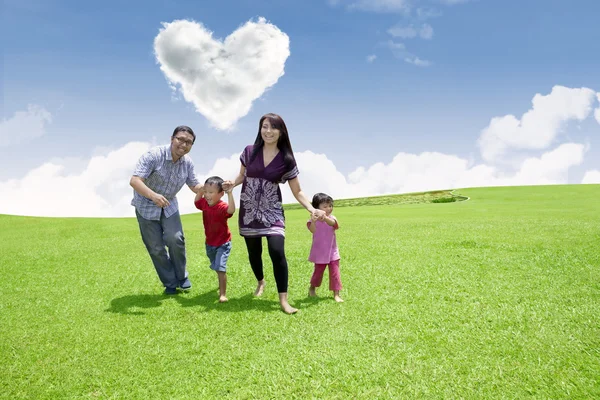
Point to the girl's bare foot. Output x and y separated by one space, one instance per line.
260 288
336 297
223 299
285 306
312 292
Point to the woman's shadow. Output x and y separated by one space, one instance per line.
208 301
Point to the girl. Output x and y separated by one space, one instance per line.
324 250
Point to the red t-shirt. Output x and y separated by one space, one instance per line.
215 222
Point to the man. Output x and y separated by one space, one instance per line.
158 176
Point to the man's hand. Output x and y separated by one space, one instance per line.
160 200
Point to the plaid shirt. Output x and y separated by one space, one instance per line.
163 176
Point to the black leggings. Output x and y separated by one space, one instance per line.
276 246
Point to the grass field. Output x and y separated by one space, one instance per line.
494 297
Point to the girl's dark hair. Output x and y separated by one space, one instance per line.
183 128
321 198
283 144
216 181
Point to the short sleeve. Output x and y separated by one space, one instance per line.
146 164
336 226
201 204
291 171
245 156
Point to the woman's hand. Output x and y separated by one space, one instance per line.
318 214
227 186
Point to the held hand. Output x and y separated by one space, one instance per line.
313 218
160 201
227 186
319 214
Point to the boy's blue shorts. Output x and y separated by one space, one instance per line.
218 256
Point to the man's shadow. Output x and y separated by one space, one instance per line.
208 301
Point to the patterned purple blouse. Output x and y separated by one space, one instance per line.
261 211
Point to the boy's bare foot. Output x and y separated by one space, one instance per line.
312 291
223 299
260 288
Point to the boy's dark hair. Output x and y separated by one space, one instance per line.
215 180
321 198
183 128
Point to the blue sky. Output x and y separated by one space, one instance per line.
365 83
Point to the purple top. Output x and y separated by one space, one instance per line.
261 211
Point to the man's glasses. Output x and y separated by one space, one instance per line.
184 141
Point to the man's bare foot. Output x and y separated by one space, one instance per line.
260 288
223 299
312 291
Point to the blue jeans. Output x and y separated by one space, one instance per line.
158 236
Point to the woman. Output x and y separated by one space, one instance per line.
266 164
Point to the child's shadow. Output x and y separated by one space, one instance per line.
310 301
209 301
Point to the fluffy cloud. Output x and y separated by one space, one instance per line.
401 6
100 190
24 126
222 78
371 58
410 31
592 176
597 111
394 6
414 60
538 127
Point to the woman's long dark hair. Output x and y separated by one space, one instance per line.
283 143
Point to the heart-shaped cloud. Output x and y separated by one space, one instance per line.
222 78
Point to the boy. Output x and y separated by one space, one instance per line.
215 213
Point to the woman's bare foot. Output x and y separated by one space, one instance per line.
223 299
285 306
336 297
260 288
312 291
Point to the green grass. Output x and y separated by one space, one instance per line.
495 297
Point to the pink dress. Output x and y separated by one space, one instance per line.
324 246
324 252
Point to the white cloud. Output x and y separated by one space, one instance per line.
222 78
424 13
539 127
371 58
24 126
417 61
597 111
426 31
404 32
382 6
452 2
410 31
102 188
591 176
